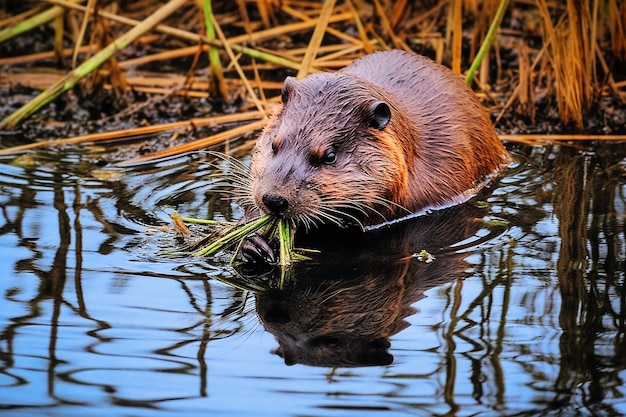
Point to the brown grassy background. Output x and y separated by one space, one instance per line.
555 66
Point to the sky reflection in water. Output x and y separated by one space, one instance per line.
522 312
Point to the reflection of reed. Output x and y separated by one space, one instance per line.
53 217
52 282
208 327
57 277
477 317
592 315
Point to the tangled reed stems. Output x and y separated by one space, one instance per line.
566 53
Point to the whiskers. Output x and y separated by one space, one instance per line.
357 211
231 177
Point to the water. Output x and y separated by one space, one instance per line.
520 314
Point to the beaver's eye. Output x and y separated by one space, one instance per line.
329 158
275 146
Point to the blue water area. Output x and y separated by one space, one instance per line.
516 307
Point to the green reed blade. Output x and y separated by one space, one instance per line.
234 235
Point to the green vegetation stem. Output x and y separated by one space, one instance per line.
491 35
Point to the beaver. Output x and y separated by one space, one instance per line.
389 135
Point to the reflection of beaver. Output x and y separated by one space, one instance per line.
387 136
341 310
343 317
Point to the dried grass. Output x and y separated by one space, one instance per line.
571 55
255 38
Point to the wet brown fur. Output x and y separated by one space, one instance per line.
438 147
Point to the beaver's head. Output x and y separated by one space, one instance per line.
331 154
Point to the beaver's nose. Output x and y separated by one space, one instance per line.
275 203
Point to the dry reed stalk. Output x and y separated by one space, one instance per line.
37 81
243 13
57 43
571 54
90 8
367 44
166 91
456 33
316 38
170 83
168 30
258 83
265 18
614 87
286 29
335 64
261 86
428 19
330 30
109 70
516 91
162 56
18 18
242 76
483 72
526 85
334 59
203 143
323 51
399 10
139 131
41 56
382 15
161 85
265 11
425 24
191 75
617 24
541 139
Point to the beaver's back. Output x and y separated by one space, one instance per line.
447 117
417 82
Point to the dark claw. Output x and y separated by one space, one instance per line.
255 249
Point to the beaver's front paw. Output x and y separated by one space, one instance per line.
256 250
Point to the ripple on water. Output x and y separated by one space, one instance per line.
523 315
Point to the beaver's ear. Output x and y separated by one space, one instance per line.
380 114
288 86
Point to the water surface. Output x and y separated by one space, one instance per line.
521 312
